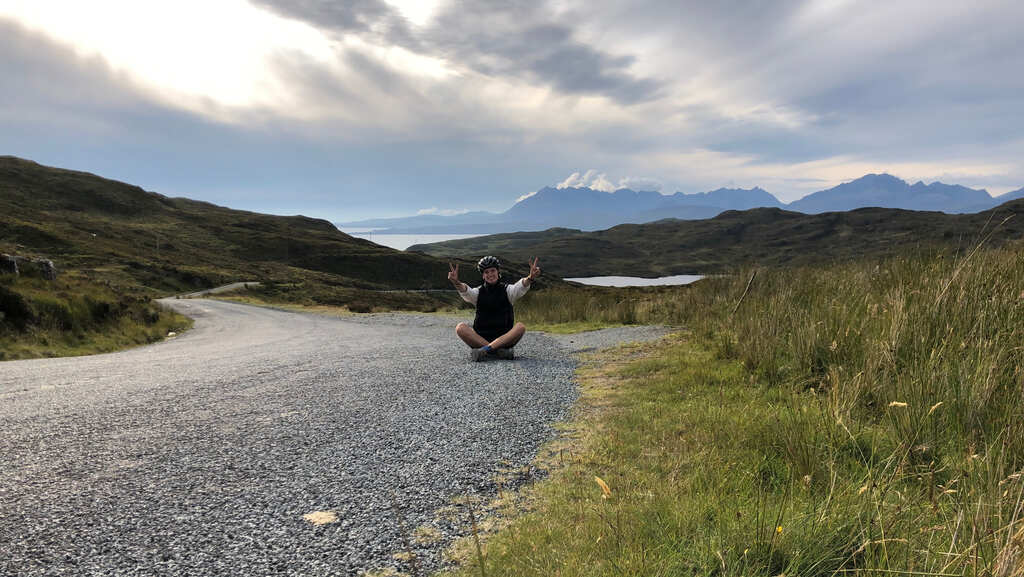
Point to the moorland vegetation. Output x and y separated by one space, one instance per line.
865 417
857 406
116 247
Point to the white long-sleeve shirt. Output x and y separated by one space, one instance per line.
514 292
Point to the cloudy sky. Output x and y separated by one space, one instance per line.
372 108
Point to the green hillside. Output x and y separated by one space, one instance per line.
734 239
117 246
82 221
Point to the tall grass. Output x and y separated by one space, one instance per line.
625 306
77 316
917 365
863 417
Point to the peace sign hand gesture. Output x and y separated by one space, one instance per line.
534 269
453 274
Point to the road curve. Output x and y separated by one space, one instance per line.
222 289
201 455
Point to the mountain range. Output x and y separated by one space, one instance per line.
588 209
736 239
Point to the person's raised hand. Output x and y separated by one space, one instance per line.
534 269
453 273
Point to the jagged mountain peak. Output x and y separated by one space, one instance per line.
887 191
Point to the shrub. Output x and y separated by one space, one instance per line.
15 310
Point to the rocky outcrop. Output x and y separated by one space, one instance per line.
18 265
46 268
8 264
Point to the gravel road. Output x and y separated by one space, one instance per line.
202 454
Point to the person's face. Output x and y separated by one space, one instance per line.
490 275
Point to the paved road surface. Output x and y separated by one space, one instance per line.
200 455
222 289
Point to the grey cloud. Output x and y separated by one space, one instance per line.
350 15
372 100
523 39
368 18
880 80
574 68
956 62
518 39
916 78
39 78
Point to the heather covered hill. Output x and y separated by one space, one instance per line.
82 221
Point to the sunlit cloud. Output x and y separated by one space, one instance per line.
417 12
595 180
190 49
219 59
590 179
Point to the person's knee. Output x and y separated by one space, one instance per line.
461 328
520 327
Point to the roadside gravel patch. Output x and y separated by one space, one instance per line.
591 341
202 455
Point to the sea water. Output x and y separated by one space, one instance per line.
624 281
404 241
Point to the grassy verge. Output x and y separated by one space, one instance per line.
344 301
862 418
600 307
572 327
311 295
75 316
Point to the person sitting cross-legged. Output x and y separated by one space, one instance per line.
494 331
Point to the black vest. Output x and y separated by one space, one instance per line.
494 315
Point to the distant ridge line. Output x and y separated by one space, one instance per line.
588 209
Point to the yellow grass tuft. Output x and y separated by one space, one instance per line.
404 556
1010 562
426 534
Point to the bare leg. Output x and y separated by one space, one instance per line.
469 336
509 339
